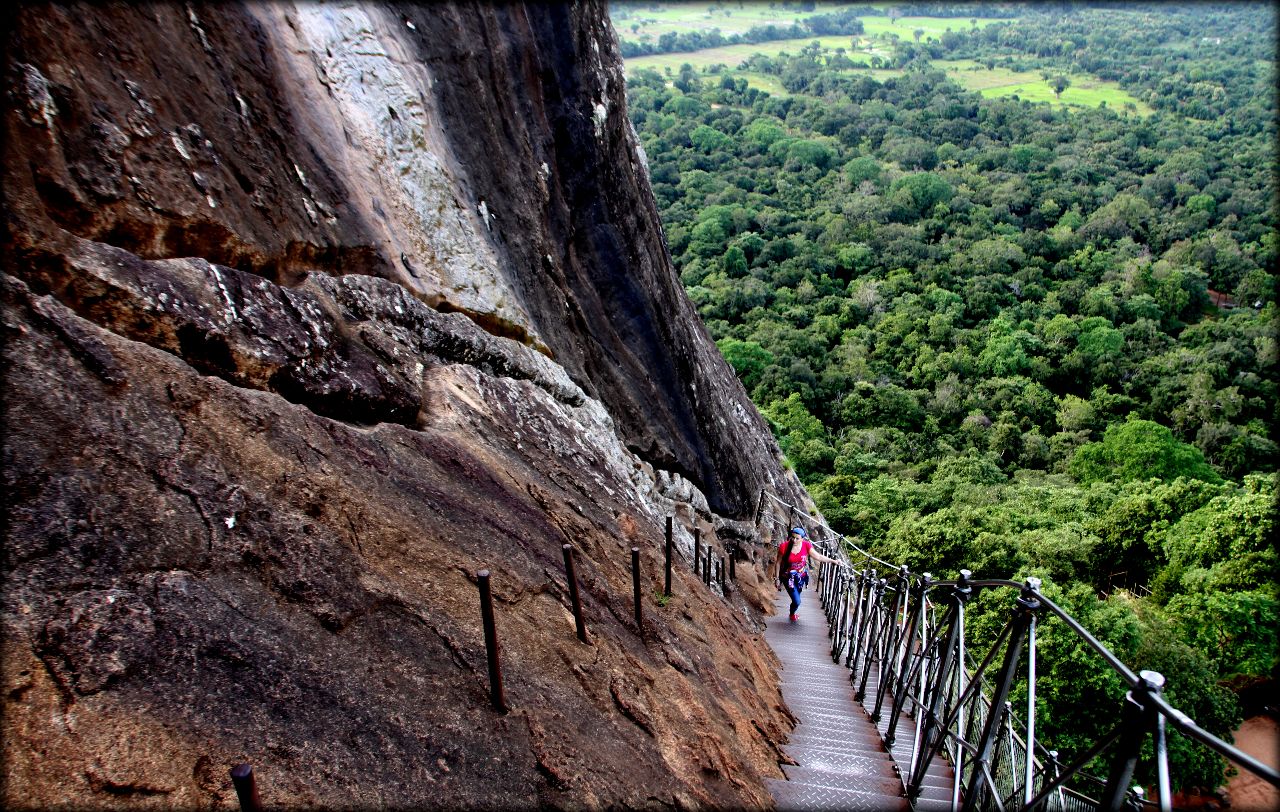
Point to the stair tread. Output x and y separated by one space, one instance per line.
791 795
840 758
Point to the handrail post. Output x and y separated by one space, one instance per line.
864 620
1137 716
1164 781
246 788
1030 741
666 584
1027 604
890 676
873 640
904 680
497 696
635 588
574 598
960 594
859 618
842 615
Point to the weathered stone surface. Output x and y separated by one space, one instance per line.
310 312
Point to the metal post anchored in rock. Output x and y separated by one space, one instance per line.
496 695
246 788
572 577
635 586
733 555
697 550
666 589
706 568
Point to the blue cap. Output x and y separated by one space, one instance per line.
800 532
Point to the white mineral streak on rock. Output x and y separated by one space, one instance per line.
600 115
40 106
180 147
399 154
195 26
638 148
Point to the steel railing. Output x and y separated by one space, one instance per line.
903 638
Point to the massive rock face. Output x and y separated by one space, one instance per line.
310 312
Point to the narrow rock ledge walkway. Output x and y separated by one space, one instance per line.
840 760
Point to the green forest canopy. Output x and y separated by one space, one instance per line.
1014 337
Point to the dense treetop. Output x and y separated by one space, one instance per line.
1014 337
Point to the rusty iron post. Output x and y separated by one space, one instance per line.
574 598
496 695
720 573
733 555
635 587
667 581
706 567
246 787
697 549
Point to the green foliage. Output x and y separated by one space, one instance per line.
748 359
982 328
708 139
917 194
1139 450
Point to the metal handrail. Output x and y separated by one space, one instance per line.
916 644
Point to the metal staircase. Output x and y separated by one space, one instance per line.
840 762
895 710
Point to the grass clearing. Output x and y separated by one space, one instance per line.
933 27
737 18
764 81
730 18
733 55
998 81
1084 90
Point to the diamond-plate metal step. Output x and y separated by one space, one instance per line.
831 779
789 795
840 760
851 762
840 738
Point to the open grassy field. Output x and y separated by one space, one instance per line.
933 27
737 18
730 18
732 55
1084 91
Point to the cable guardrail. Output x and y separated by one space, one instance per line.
904 636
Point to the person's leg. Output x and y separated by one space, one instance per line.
793 589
